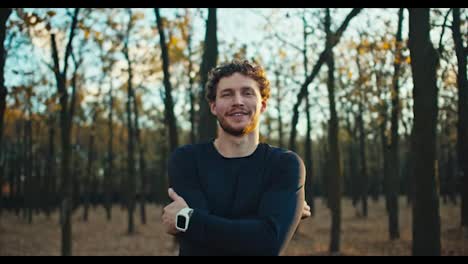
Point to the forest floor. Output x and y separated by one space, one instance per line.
359 236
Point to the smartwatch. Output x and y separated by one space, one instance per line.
183 219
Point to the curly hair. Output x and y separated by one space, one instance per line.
249 69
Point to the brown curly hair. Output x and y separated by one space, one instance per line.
243 67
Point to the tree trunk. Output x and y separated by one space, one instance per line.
131 152
335 168
90 168
207 125
462 142
278 109
50 168
322 58
394 168
363 161
65 125
424 62
191 92
108 182
4 14
142 164
352 162
27 163
309 164
168 100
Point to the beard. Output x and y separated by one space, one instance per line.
238 132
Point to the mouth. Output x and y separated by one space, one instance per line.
238 114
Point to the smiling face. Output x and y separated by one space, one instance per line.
238 104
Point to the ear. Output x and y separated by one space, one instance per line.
264 105
213 107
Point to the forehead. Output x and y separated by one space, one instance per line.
237 81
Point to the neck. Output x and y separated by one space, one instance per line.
230 146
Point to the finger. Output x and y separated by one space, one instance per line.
174 196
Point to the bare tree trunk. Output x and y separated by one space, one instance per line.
110 158
142 163
309 164
4 14
424 62
322 59
191 92
90 168
131 185
50 168
335 170
27 163
352 160
65 124
394 168
278 109
462 142
168 100
207 125
363 161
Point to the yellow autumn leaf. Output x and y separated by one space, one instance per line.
386 46
173 41
408 60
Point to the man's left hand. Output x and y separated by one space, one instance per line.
305 211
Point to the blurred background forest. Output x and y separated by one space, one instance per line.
93 101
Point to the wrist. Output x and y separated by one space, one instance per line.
182 220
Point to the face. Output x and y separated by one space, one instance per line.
238 104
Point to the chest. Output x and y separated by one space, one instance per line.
233 188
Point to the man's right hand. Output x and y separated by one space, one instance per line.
170 212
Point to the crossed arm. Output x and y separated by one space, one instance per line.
178 203
281 208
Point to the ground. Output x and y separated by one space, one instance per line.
359 236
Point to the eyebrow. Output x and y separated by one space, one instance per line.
232 89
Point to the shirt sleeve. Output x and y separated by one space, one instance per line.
183 177
271 230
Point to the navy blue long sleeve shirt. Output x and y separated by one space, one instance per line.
242 206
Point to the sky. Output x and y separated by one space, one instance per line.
248 26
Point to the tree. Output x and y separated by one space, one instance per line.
207 125
462 141
322 59
131 170
66 115
4 14
362 176
334 195
394 163
168 100
424 61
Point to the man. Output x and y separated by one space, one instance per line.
234 195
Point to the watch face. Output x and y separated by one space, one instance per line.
181 221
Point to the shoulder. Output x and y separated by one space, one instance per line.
287 167
284 156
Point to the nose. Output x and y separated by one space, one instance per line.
237 100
